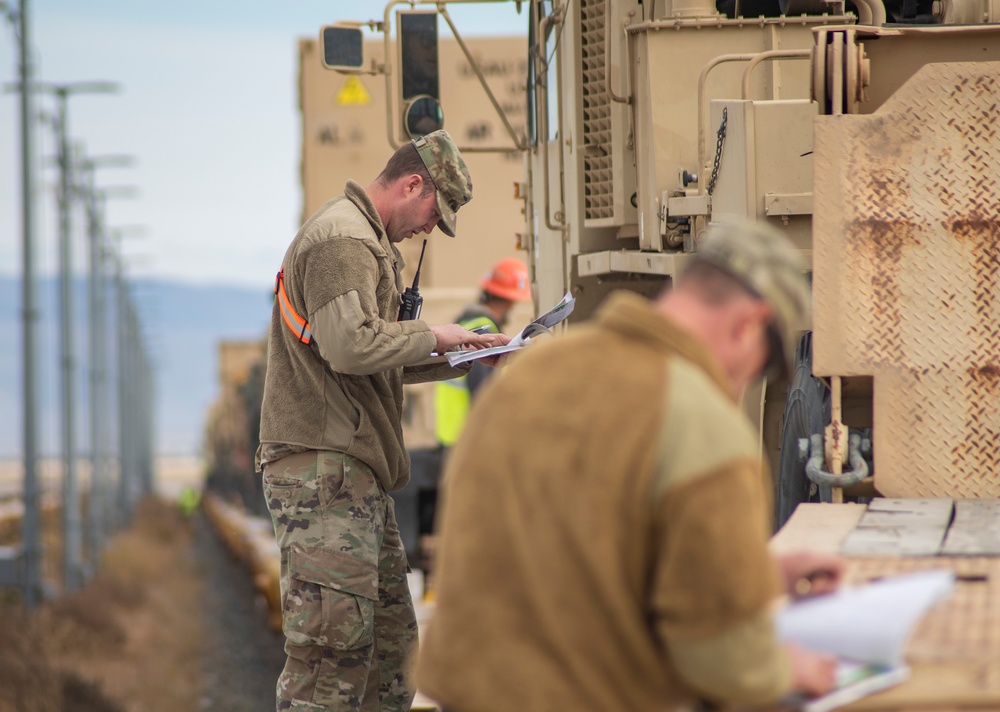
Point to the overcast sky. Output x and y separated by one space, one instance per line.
208 110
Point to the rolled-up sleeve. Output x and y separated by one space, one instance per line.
715 585
352 341
743 664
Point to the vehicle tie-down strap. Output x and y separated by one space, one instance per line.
298 325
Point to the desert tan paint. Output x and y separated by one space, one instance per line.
344 137
906 285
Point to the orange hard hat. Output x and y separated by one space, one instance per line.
508 279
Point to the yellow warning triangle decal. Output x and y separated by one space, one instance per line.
353 93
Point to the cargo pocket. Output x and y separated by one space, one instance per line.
284 497
331 599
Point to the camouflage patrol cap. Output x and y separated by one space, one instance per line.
769 266
449 173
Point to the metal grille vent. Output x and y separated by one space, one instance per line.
597 174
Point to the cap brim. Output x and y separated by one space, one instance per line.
448 217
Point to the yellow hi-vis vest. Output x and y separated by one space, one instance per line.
452 398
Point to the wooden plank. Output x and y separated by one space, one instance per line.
892 541
937 508
900 527
817 527
976 529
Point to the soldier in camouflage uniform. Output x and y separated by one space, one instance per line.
331 438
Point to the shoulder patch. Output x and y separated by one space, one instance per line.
702 429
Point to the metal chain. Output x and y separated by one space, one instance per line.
721 134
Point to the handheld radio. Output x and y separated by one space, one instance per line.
412 301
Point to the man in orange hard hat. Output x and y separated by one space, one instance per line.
502 287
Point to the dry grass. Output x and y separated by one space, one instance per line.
28 681
128 642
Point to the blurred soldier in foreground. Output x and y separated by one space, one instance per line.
603 540
330 432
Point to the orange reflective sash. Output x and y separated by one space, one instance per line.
298 325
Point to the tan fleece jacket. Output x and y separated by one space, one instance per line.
603 533
344 392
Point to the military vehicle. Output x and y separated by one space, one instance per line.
866 130
649 120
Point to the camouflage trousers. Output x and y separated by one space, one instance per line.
349 624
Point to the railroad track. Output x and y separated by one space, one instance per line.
250 539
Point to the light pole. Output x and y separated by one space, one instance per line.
143 408
71 503
98 400
105 386
128 375
95 323
25 568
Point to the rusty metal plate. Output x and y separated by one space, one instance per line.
906 240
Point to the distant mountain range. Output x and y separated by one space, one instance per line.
183 324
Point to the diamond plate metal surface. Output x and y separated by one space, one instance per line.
906 242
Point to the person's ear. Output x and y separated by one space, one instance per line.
739 320
765 313
413 183
750 322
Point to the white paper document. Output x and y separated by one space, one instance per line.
541 325
867 624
